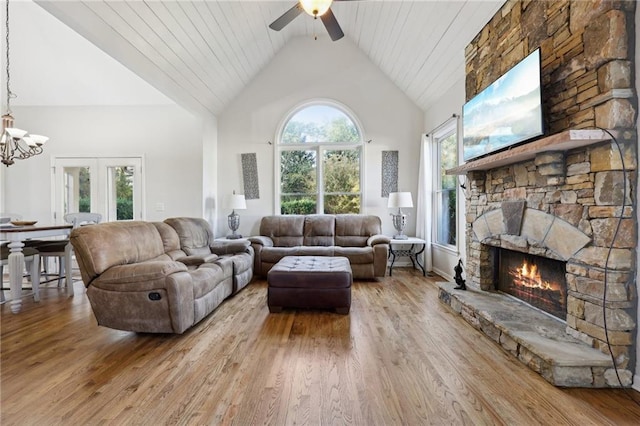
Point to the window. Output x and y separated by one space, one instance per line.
446 148
109 186
320 156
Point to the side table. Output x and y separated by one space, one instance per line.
417 246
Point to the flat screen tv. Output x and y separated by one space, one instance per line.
506 113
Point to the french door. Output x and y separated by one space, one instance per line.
111 186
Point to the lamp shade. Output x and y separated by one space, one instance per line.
16 133
39 139
400 200
236 202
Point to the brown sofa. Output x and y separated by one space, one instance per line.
354 236
158 277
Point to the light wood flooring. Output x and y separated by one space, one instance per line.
399 358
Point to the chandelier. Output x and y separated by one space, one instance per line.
16 144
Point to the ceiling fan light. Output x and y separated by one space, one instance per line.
316 7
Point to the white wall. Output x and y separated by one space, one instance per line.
303 70
443 109
169 138
210 207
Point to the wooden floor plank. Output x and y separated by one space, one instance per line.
399 357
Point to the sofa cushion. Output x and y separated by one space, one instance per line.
170 240
356 255
319 230
353 230
285 231
104 245
274 254
205 279
194 233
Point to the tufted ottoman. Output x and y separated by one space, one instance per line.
318 282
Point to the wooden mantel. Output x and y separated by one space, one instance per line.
564 141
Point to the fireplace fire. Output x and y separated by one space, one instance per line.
536 280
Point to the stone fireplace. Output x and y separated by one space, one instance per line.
569 197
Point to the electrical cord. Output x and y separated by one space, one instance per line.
606 265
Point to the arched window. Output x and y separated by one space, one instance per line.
320 161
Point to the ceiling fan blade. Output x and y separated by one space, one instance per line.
331 24
287 17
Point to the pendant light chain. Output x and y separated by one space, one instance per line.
9 94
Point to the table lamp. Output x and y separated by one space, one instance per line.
235 202
400 200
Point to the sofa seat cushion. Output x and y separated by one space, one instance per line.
356 255
205 279
274 254
241 261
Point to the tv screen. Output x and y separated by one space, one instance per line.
506 113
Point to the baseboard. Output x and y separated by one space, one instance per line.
636 382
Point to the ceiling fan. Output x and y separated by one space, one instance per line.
315 8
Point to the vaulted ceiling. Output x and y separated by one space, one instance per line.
203 53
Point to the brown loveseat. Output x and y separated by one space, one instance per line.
354 236
158 277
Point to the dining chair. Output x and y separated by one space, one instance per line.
55 248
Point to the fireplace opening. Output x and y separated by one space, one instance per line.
537 280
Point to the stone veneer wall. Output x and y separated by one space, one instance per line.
587 52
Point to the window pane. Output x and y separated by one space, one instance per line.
341 181
298 172
447 189
341 204
123 191
320 123
448 160
298 204
77 187
342 171
447 218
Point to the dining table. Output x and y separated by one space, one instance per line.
16 236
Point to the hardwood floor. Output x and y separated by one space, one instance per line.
399 357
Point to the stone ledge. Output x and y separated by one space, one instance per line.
536 339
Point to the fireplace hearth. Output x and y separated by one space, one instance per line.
537 280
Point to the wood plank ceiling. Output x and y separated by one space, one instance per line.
203 53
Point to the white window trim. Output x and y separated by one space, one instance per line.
318 147
444 130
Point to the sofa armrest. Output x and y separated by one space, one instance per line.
230 247
378 239
196 259
261 240
258 243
